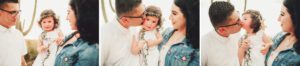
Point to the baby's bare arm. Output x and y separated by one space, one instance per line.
267 44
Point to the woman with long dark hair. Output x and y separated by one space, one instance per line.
180 46
286 48
81 48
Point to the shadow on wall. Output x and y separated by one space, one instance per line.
31 51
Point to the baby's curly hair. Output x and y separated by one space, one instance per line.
156 12
49 13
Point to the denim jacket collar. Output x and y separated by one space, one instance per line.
168 36
75 43
278 39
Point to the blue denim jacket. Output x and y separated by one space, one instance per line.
178 51
79 53
287 57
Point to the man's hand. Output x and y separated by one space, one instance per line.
23 61
245 45
42 48
141 44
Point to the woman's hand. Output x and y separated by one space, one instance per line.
59 41
60 38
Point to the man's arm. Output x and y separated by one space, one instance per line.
23 61
243 47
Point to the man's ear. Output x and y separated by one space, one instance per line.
221 30
123 20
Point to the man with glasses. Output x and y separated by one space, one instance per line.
220 47
116 38
12 42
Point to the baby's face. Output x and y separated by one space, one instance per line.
47 24
246 21
151 23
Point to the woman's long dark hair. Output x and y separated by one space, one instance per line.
294 10
190 10
87 16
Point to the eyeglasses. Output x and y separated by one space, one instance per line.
141 16
237 23
230 25
11 12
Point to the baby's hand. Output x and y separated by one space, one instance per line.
264 50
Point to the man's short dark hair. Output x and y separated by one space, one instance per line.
219 12
125 6
2 2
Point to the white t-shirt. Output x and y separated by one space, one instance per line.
13 47
116 42
219 51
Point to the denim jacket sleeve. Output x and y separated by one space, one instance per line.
195 58
276 40
166 35
88 55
